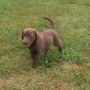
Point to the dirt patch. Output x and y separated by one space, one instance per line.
37 81
69 66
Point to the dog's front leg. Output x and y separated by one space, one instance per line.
36 60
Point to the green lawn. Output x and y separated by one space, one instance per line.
69 71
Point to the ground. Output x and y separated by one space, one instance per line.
67 71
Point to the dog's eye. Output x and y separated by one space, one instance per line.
28 35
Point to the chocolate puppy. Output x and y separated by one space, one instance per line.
38 42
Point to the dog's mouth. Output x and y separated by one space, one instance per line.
27 45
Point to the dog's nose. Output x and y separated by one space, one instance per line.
24 42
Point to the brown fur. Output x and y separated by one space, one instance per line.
38 42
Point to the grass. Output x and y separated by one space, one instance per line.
67 71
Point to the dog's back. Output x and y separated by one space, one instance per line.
50 36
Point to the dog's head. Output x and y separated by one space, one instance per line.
29 36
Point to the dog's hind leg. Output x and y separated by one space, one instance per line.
57 43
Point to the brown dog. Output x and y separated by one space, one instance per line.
38 42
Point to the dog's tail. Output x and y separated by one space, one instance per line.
52 23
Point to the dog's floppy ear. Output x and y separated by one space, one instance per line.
37 35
